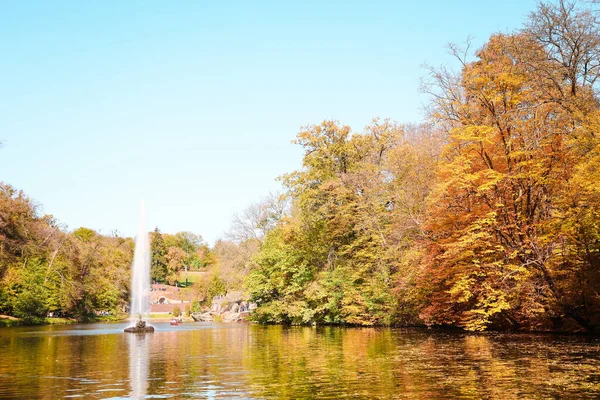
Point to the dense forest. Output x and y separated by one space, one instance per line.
485 216
44 269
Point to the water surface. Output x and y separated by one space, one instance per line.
211 360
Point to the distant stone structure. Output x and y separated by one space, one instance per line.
165 298
228 308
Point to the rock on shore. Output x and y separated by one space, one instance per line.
228 308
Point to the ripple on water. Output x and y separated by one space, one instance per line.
274 362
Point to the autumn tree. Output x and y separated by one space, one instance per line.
186 250
521 124
204 257
176 260
47 269
234 261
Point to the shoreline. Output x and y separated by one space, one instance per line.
7 321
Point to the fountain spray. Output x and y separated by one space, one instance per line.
140 275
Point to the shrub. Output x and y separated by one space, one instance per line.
196 306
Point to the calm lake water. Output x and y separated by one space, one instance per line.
211 360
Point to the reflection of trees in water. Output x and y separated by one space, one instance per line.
300 362
40 362
201 361
388 363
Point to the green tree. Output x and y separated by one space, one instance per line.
43 268
158 252
357 207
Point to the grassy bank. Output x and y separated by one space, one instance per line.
58 321
7 320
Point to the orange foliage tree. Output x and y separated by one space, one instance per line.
511 221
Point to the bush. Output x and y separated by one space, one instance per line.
176 312
29 306
196 306
216 287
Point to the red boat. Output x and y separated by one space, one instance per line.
175 321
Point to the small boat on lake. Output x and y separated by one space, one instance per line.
176 321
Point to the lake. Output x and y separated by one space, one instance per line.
213 361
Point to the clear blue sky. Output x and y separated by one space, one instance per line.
192 105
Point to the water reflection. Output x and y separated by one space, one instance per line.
245 361
138 364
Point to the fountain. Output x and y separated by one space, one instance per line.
140 278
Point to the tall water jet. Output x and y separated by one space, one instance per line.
140 277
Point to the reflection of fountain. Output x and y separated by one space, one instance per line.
140 277
138 365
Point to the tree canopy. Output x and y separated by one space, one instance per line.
484 217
